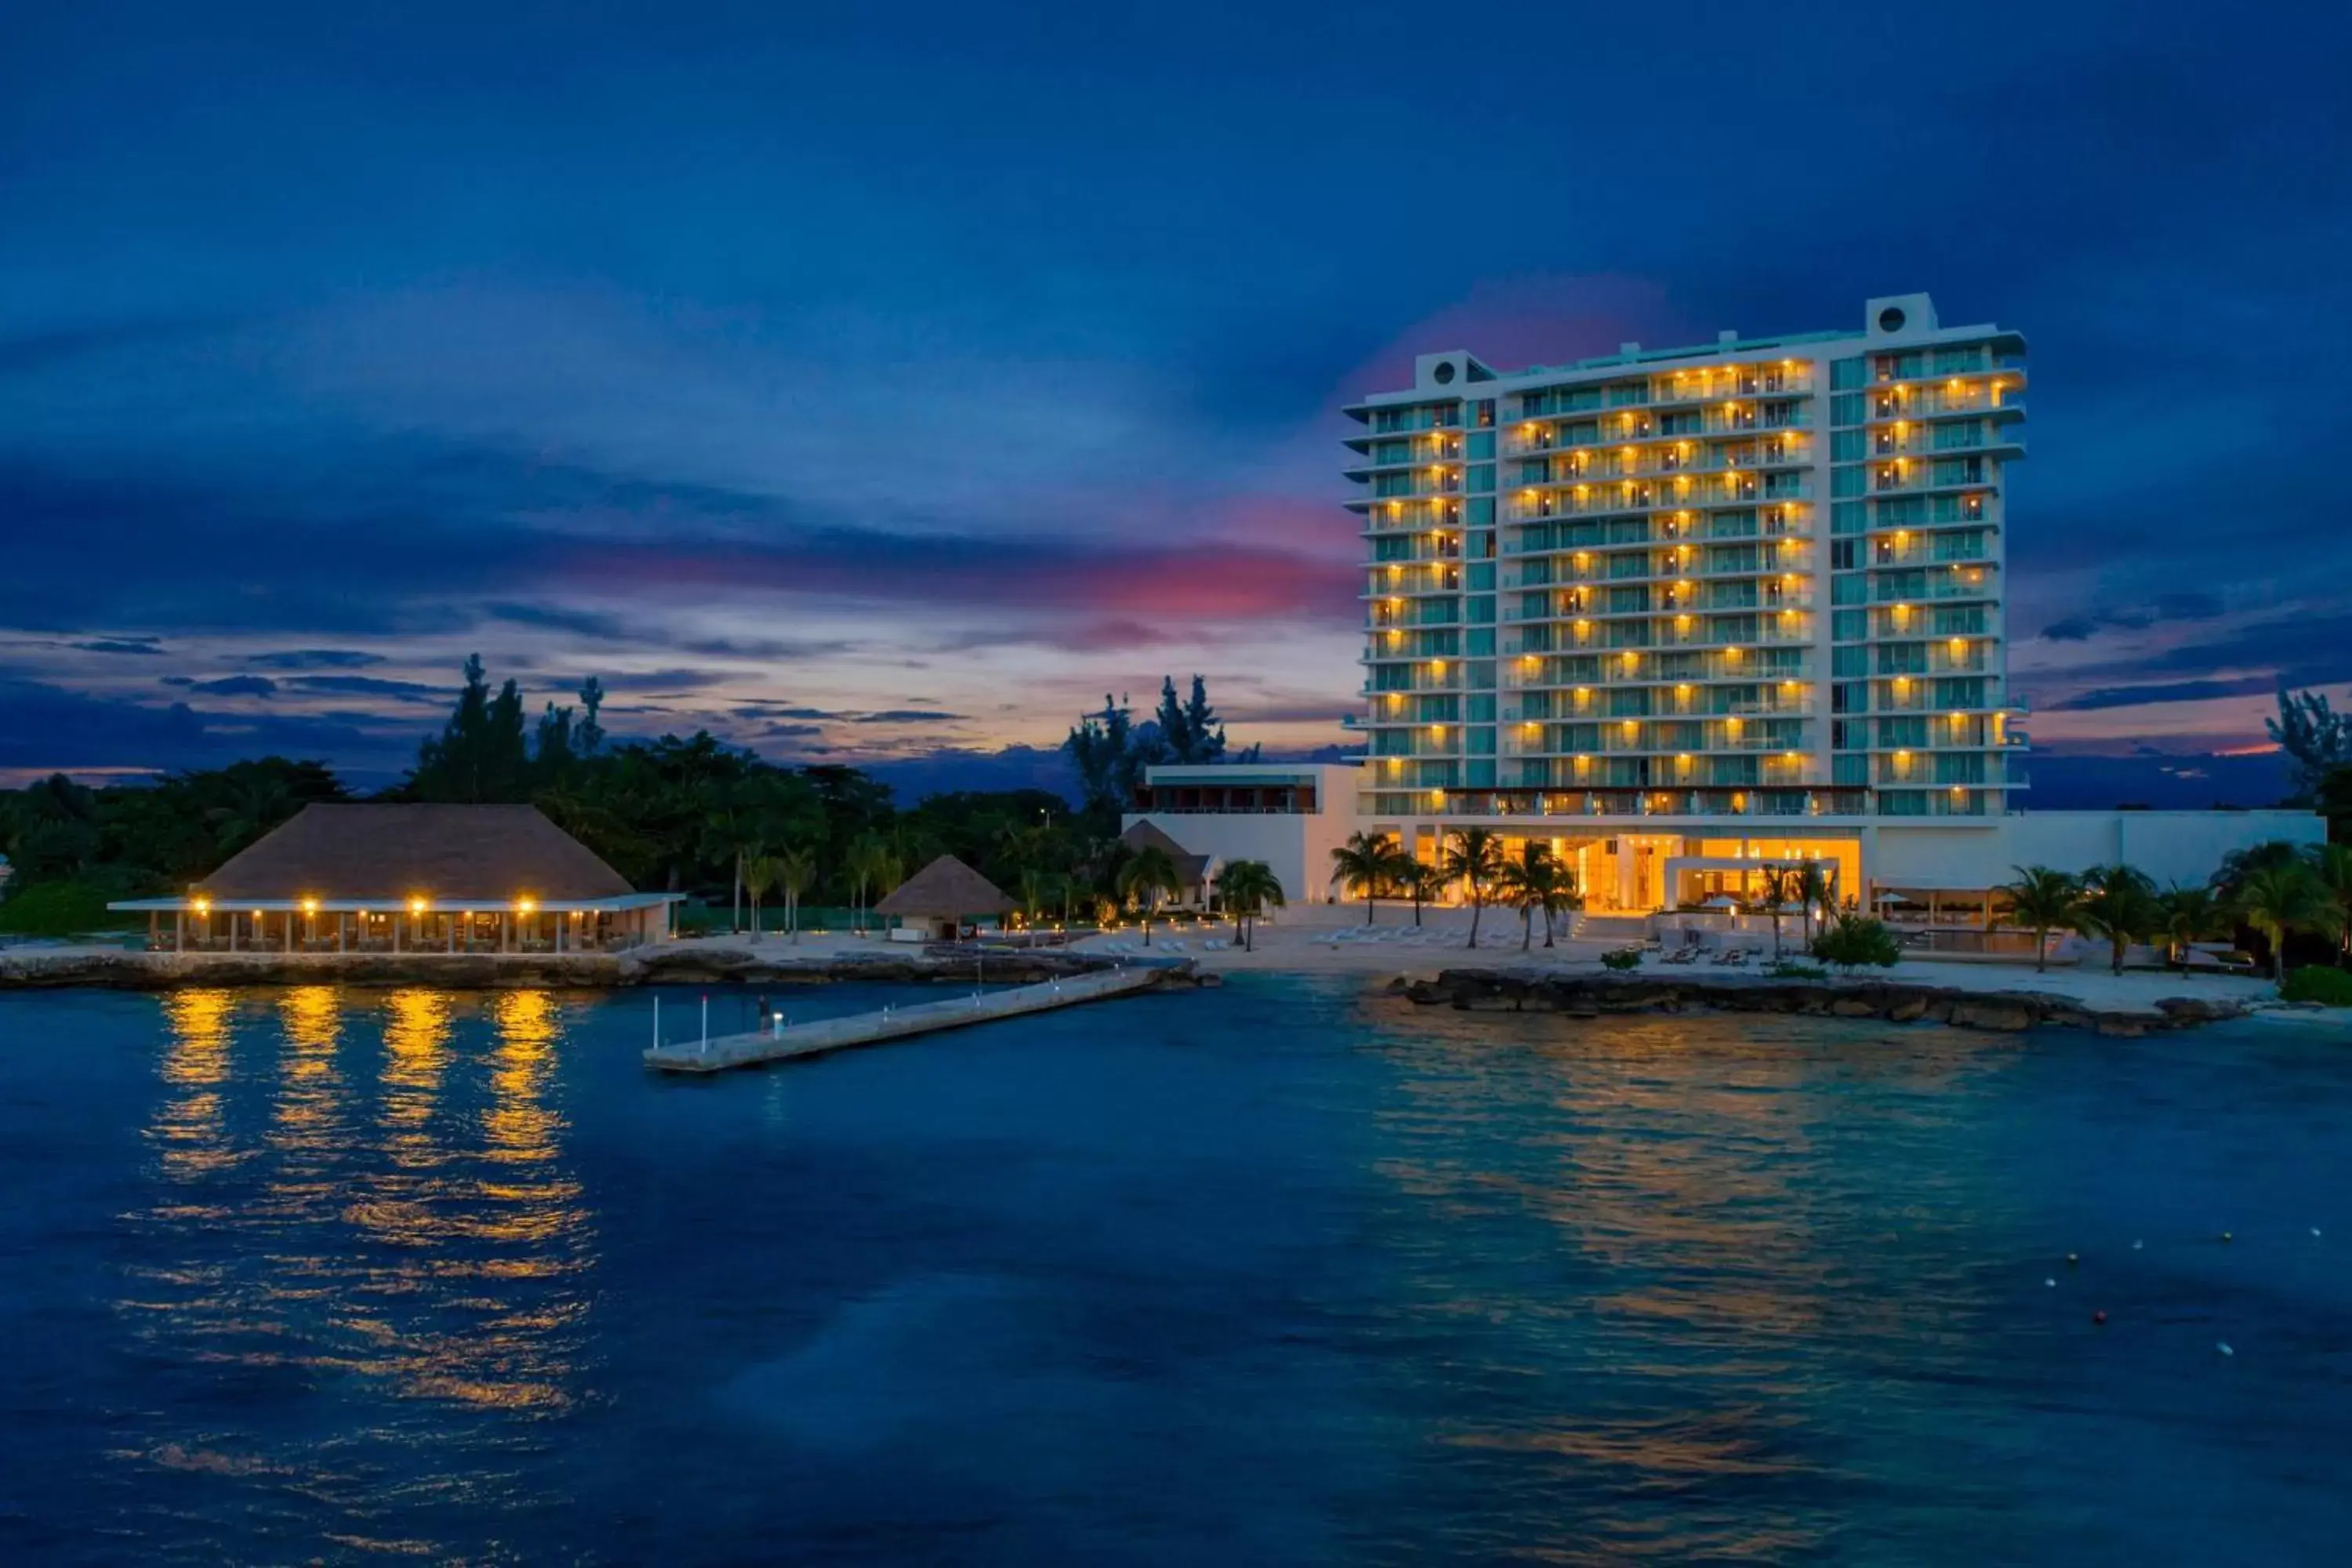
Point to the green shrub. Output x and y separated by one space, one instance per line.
1790 969
1855 942
62 909
2320 982
1623 958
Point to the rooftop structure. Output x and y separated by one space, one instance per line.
410 879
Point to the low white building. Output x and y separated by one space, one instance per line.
1292 816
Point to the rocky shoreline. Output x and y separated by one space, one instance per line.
34 969
1896 1002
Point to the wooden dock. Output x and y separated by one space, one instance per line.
796 1041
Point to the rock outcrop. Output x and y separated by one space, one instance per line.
1899 1002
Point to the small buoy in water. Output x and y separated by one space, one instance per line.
2315 1230
2138 1245
2224 1348
2051 1283
2225 1236
2072 1259
2099 1318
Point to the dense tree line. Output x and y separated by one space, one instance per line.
695 816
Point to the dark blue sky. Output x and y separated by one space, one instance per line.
882 382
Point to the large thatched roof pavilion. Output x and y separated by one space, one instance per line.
938 899
410 879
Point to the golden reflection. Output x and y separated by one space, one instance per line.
408 1222
1700 1191
190 1131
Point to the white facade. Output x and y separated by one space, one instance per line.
1299 813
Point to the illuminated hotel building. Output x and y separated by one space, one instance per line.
1757 581
1680 614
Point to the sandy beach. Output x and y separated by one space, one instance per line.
1325 941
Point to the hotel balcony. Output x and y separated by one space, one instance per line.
1938 586
1398 421
1532 503
1666 455
1428 482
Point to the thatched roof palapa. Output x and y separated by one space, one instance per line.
1190 869
393 852
945 890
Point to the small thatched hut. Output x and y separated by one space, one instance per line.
935 901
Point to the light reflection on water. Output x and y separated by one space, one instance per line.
1271 1274
370 1200
1697 1212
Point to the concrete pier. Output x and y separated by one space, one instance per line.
800 1040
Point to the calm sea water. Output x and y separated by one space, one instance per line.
1275 1274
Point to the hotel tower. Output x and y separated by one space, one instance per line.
1684 614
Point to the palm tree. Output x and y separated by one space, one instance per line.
1780 887
1034 893
760 872
1364 864
1246 887
1559 896
2240 864
1149 873
2120 905
2279 899
1476 855
1530 883
1813 892
2189 914
864 864
2332 863
795 870
1421 882
2042 900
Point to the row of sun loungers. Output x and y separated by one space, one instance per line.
1735 957
1124 949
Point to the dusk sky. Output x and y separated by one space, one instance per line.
870 383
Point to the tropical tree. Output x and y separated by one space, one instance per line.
796 870
2332 864
760 873
2279 900
2188 914
2240 864
2119 906
1248 886
1148 875
1533 881
2042 900
1813 892
1475 855
1366 864
1780 885
1420 881
2312 735
865 862
1032 894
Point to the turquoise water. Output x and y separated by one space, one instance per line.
1279 1273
